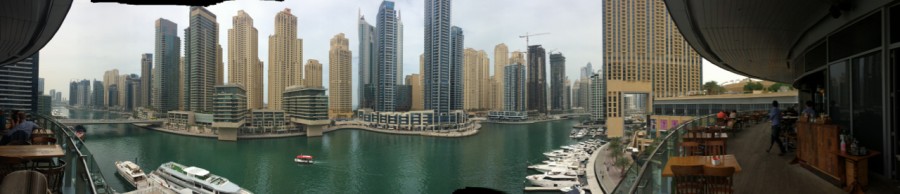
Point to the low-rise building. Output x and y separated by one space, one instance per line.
307 108
179 120
230 103
414 120
508 115
266 121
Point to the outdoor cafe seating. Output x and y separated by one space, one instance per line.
32 166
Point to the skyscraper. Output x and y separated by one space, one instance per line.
662 66
340 76
166 70
455 70
146 68
123 88
517 57
220 66
285 58
83 93
40 86
97 94
557 77
201 60
366 63
501 59
476 82
441 80
514 93
598 97
417 100
73 88
313 77
399 49
18 80
587 71
132 92
537 84
386 57
243 59
110 77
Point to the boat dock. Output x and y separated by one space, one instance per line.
543 188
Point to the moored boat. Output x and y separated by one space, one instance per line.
196 179
132 173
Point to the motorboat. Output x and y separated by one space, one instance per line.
132 173
554 153
198 180
572 190
552 180
304 159
556 167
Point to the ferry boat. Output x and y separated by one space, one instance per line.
196 179
305 159
132 173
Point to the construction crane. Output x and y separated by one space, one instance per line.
526 36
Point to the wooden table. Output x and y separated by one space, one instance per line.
857 171
727 161
42 133
32 151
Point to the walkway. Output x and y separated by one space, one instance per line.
465 132
767 172
609 175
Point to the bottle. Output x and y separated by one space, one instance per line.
843 145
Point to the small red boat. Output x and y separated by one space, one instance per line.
306 159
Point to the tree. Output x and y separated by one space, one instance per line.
713 87
750 86
621 163
777 86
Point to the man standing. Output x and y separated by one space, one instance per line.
775 117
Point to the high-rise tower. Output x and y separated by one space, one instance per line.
243 59
201 60
386 57
557 77
340 76
146 68
537 81
365 89
313 77
285 58
643 53
442 74
501 59
166 67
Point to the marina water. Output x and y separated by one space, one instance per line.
348 161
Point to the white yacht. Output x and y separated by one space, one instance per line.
132 173
552 180
196 179
557 167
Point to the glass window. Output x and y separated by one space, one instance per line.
868 108
839 94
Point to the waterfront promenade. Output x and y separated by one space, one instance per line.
604 171
469 131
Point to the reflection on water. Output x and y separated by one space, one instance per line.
349 161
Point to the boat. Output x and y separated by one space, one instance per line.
132 173
572 190
196 179
305 159
552 180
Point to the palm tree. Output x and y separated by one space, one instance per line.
622 163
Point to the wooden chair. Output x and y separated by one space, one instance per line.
718 179
691 148
24 182
54 176
688 179
9 165
43 140
715 147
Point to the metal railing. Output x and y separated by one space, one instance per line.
82 175
645 174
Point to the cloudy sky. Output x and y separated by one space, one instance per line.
96 37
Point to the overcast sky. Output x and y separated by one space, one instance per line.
96 37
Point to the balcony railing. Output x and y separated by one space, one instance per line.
645 174
83 175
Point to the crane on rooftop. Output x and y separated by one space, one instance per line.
527 36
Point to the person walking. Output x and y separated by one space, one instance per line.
775 117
